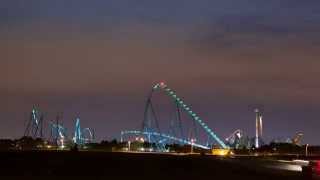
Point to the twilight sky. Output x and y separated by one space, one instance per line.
99 59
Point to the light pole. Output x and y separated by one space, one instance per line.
129 143
121 138
192 142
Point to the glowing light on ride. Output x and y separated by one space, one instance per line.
149 132
81 135
194 116
183 141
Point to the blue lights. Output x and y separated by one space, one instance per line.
165 136
190 112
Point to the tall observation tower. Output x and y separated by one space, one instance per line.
258 128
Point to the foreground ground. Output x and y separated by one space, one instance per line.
101 165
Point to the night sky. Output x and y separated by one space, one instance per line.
99 59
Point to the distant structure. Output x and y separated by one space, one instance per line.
258 136
297 139
234 139
34 127
82 136
193 132
58 135
77 133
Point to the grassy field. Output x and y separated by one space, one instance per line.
101 165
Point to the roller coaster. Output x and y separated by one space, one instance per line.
34 127
164 136
82 136
153 133
58 133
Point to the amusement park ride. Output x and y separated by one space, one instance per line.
178 133
183 126
58 133
152 132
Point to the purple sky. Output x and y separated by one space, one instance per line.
99 59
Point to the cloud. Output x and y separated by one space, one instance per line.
239 61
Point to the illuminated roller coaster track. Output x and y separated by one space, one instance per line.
58 134
35 125
166 136
80 137
162 86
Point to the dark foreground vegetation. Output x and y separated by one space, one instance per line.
30 144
